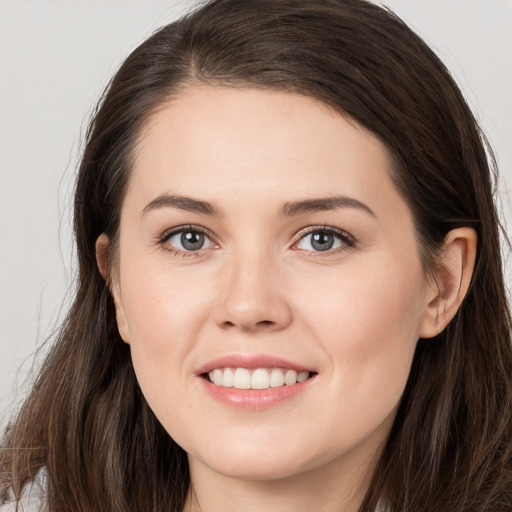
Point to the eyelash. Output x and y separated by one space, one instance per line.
348 241
164 239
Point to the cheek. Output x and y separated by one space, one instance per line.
163 321
373 305
369 326
368 329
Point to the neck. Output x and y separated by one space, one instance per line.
333 487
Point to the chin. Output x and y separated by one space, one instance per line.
255 462
260 470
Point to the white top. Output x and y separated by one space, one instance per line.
30 503
31 498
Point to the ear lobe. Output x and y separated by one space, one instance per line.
103 262
449 285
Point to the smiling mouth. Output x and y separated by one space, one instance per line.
258 378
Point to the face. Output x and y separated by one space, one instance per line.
264 247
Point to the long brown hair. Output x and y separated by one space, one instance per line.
86 421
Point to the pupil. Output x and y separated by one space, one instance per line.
322 241
192 240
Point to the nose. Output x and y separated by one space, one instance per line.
253 297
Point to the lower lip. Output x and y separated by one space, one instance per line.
254 399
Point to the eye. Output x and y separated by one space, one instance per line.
325 239
186 240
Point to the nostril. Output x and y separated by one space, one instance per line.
265 322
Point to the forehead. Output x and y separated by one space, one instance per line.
257 143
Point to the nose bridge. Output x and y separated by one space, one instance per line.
253 296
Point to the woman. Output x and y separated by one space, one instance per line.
289 293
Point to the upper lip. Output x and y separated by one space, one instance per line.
251 362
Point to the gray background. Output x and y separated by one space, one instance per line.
55 59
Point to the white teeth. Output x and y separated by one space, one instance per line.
217 377
260 378
242 379
302 376
229 378
290 378
276 378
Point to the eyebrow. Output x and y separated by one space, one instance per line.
290 209
323 204
183 203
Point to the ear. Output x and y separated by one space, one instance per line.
103 262
448 287
102 256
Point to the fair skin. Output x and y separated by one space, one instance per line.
345 309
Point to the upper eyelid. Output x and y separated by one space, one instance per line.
178 229
325 228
